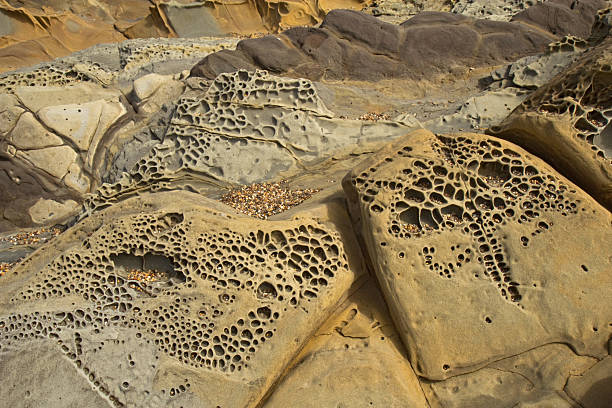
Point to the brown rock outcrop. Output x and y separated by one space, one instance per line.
353 45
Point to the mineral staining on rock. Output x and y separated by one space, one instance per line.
477 251
33 32
232 299
493 265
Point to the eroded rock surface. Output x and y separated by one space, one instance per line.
33 31
482 251
48 146
356 358
168 300
242 128
352 45
567 123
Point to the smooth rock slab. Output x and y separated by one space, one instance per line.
535 377
30 134
482 251
53 160
46 211
229 303
83 123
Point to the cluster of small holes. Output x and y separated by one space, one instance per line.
277 269
462 257
47 75
225 118
258 87
584 93
479 187
568 43
137 53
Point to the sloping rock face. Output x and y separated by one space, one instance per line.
226 304
567 123
482 251
243 128
352 45
355 358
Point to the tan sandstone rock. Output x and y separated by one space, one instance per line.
49 211
30 134
53 160
169 299
9 112
37 97
153 90
355 359
593 389
83 123
568 123
482 251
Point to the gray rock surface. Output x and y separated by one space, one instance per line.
243 128
352 46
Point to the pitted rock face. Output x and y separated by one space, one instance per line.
46 75
226 301
245 127
480 248
567 122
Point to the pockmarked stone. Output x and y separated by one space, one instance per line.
482 251
244 128
169 299
568 123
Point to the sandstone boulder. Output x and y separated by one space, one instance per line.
244 127
482 251
567 123
49 142
170 299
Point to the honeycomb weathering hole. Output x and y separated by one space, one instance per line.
603 140
148 268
